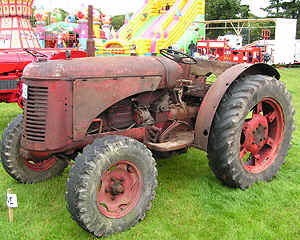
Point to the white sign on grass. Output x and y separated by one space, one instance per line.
11 200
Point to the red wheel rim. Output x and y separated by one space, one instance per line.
119 190
261 136
41 166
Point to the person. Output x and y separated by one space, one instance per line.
266 57
133 50
258 58
167 7
76 42
250 57
60 39
192 48
129 34
145 15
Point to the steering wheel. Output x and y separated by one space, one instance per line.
177 56
34 53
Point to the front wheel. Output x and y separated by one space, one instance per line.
111 185
251 131
26 170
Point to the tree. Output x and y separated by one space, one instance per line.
99 10
63 13
118 21
224 9
274 8
286 9
291 9
32 18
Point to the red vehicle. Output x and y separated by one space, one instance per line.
108 114
218 50
13 62
19 46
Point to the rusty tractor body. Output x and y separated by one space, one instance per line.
107 113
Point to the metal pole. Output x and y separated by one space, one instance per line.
249 33
90 41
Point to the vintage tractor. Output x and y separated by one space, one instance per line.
110 114
13 62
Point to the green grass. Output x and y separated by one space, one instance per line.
190 202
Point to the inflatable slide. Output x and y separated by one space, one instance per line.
158 24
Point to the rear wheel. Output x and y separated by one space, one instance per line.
251 131
111 185
21 169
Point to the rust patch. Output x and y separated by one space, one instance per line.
90 100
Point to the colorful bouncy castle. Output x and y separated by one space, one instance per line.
159 24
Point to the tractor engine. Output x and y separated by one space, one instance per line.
70 103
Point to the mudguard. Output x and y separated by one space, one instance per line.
215 94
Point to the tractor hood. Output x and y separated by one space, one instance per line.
13 61
104 67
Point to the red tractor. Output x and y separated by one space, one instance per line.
110 114
13 62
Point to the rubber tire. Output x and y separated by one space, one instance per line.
14 165
224 139
86 173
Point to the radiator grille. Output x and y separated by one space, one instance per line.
8 84
36 108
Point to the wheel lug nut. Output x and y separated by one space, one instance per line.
129 169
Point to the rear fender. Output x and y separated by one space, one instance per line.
215 94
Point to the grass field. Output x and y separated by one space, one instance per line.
190 202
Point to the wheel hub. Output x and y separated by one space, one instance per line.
119 189
261 136
116 187
256 133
